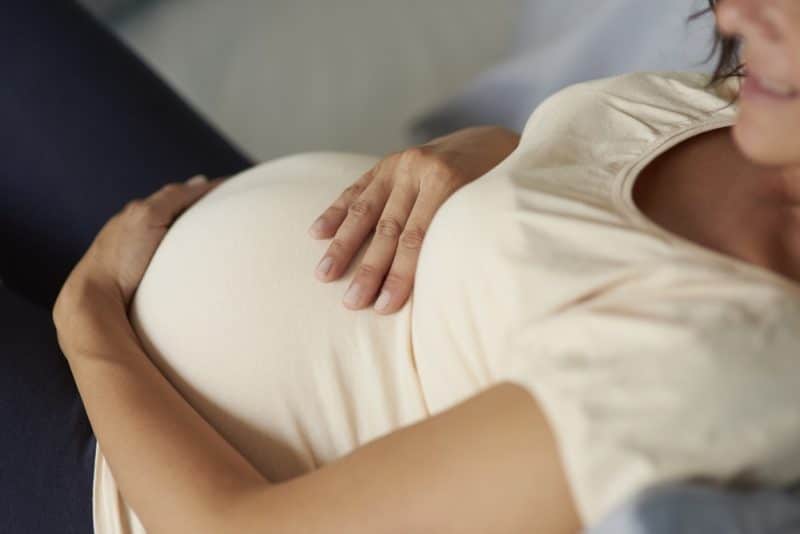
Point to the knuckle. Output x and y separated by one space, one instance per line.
416 153
394 280
385 183
366 270
141 211
390 159
389 227
337 246
360 208
412 238
336 209
132 205
354 189
441 168
135 208
148 212
433 163
171 188
442 182
386 167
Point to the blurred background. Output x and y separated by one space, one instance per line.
373 76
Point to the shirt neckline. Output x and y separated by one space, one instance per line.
627 177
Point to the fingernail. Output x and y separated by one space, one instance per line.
316 228
351 297
325 265
194 180
383 300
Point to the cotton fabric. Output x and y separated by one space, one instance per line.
653 358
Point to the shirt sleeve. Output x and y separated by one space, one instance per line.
668 383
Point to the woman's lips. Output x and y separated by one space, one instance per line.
765 89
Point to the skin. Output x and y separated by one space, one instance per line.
737 190
766 130
395 203
489 464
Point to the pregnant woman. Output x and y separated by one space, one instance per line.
609 304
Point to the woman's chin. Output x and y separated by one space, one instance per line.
762 146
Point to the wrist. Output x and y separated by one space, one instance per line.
88 310
509 138
503 140
86 288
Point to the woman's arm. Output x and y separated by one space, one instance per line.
488 465
173 468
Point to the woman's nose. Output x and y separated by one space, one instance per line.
748 18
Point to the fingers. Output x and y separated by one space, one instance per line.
167 203
399 281
390 229
360 218
330 220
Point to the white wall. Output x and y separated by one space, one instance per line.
282 76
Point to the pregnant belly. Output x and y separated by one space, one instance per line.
230 311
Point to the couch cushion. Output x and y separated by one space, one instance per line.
557 45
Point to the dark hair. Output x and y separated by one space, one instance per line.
728 64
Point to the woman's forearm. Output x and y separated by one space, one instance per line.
180 476
172 467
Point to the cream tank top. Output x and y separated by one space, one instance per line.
655 359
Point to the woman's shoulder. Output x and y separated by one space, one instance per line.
639 105
578 144
669 85
566 177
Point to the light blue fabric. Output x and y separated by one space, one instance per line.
690 509
562 42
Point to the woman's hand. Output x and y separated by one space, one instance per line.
398 199
113 266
